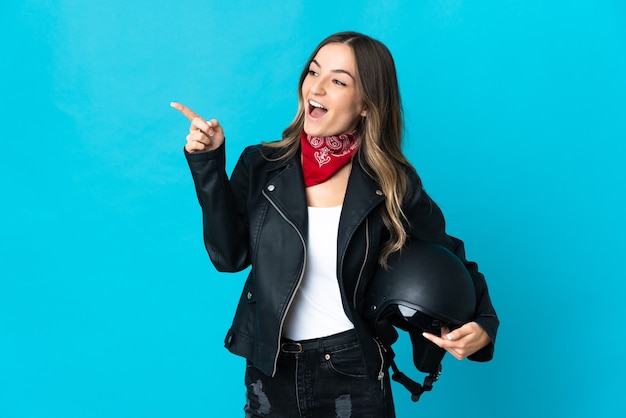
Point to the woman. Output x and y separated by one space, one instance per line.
314 214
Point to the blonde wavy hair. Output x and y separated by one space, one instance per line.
381 132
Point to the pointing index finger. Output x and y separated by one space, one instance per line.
189 114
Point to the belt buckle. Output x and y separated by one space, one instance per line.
291 348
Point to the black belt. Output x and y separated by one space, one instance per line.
296 347
290 347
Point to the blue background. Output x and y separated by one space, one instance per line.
109 306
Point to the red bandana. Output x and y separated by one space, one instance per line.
324 156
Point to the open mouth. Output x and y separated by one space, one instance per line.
316 110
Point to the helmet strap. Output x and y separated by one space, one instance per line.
411 385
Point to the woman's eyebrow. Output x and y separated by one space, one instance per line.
339 70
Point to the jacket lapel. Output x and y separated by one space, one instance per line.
285 188
362 196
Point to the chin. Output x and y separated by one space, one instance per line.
313 130
319 131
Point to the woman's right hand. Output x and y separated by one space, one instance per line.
204 135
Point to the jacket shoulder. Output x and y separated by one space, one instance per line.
256 152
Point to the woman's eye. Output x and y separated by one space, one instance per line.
313 73
339 83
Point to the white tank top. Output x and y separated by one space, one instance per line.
316 310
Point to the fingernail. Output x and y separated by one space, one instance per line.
449 336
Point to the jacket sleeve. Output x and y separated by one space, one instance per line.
224 217
428 224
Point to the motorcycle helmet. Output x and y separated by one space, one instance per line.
425 288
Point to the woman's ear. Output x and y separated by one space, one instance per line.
364 112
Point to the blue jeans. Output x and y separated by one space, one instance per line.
320 378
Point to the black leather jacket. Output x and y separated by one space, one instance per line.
259 218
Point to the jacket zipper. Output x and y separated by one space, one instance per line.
293 295
381 372
367 249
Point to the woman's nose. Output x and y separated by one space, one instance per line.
317 86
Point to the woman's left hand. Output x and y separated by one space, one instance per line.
463 341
